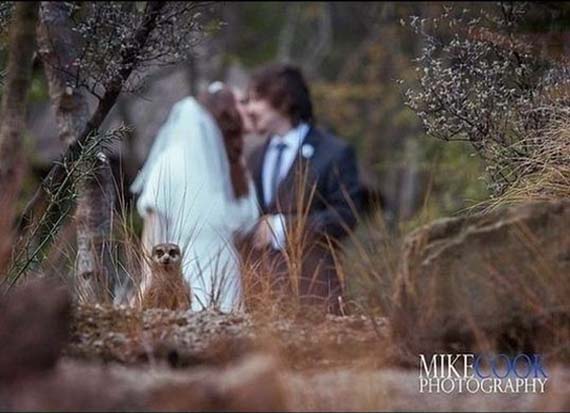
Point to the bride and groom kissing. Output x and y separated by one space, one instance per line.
285 209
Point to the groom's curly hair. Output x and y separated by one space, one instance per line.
285 88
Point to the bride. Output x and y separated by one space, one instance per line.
196 192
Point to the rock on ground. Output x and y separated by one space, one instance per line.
488 281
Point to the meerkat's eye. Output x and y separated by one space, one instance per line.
159 253
173 252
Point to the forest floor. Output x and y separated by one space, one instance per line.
324 364
185 339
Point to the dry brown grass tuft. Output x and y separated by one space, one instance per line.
276 289
266 295
543 168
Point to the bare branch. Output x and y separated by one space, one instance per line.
112 90
483 83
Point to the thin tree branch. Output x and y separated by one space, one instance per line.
113 88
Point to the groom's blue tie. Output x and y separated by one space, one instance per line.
280 147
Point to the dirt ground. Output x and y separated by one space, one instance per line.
330 364
186 339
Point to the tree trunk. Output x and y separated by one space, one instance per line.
94 216
12 123
94 213
93 253
59 49
409 186
113 88
287 33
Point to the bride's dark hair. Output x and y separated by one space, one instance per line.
221 103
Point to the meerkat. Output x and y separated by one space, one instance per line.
167 287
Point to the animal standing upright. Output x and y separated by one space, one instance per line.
167 286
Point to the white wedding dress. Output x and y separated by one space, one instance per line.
186 180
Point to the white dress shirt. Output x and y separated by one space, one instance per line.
293 139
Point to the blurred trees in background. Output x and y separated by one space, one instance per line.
358 58
13 111
485 79
97 49
354 54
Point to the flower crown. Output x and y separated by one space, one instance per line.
215 87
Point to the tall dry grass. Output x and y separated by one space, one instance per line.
264 294
494 282
508 292
543 167
352 260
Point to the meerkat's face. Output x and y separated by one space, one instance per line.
166 255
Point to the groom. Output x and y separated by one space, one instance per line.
307 186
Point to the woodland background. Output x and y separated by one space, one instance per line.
459 112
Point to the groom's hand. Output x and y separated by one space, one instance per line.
262 236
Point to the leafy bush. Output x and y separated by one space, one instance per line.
484 80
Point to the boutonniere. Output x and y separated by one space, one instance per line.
307 150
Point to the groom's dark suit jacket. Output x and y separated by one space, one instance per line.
320 195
